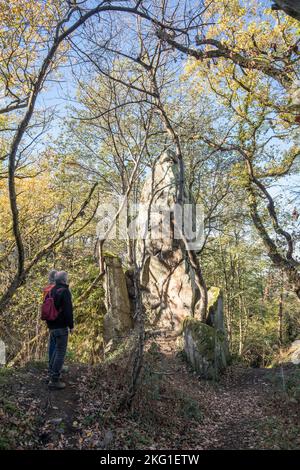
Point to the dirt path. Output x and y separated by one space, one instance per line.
49 415
57 427
173 409
246 409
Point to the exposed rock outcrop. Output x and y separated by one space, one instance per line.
215 308
206 346
118 320
170 292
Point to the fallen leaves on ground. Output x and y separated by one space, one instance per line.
173 409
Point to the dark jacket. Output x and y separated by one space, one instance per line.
63 303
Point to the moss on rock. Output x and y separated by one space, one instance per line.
203 336
205 348
213 295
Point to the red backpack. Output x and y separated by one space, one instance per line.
48 311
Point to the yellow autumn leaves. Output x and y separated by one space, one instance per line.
261 36
25 29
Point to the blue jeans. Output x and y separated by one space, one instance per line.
58 343
51 347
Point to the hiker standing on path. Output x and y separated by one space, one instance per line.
46 290
60 327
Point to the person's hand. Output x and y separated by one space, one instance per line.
71 330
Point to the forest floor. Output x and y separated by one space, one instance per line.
173 409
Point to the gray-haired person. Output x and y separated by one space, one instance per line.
59 328
46 290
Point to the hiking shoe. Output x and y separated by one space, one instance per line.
56 385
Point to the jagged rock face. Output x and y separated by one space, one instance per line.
206 346
215 308
118 320
159 191
170 292
169 296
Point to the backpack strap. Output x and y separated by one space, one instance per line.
61 289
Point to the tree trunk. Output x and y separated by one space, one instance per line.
240 326
280 319
288 266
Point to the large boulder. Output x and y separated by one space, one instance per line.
169 288
216 315
169 291
205 348
158 198
118 320
206 344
